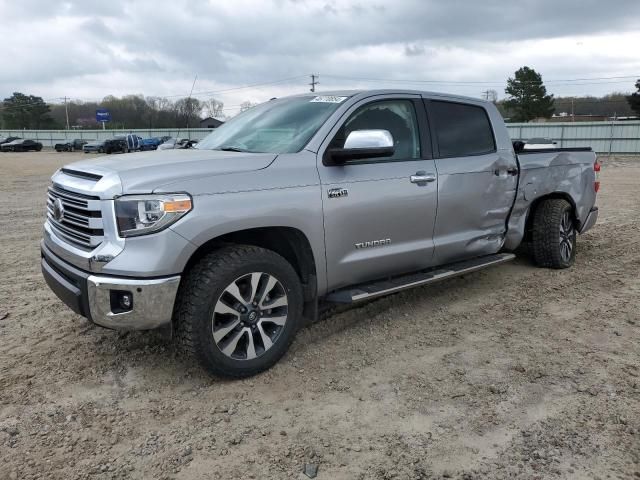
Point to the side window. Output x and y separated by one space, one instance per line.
461 129
396 116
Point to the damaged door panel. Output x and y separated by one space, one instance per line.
473 223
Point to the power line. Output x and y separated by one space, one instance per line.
254 85
593 80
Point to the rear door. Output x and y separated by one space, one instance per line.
477 183
378 220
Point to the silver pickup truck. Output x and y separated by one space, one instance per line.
332 198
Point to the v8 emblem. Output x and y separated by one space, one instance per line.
337 192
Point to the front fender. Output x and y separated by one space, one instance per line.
297 207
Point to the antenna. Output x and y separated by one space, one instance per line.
188 107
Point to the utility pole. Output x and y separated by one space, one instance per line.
573 116
66 111
485 94
314 82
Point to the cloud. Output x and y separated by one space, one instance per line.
91 48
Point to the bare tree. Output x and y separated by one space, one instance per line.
246 105
213 108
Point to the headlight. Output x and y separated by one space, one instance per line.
143 214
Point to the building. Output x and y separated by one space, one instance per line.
210 122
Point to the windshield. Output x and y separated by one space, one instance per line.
277 126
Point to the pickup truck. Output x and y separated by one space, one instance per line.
301 202
72 146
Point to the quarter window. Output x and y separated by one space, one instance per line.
461 129
396 116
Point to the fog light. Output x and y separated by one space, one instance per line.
126 301
121 301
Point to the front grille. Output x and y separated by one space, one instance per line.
81 221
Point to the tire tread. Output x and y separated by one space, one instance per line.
546 221
194 295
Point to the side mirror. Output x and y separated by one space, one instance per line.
362 144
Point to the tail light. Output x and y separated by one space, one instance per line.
596 169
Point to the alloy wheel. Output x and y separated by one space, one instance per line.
249 316
567 236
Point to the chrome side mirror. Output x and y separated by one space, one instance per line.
360 145
369 139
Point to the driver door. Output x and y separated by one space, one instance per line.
378 219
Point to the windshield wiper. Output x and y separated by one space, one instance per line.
231 148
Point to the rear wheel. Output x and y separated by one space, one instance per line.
238 310
554 234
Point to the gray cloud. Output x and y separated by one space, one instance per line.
96 48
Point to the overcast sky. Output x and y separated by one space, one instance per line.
87 49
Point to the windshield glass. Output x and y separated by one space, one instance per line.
276 126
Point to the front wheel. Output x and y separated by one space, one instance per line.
554 234
238 310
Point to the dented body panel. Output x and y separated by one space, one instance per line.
568 175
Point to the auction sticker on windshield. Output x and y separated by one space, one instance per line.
328 99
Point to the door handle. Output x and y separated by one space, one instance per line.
422 177
513 171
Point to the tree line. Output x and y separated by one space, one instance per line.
130 111
527 99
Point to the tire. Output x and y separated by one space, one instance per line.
205 308
554 234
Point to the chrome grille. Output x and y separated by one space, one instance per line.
81 223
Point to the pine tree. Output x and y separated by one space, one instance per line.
25 111
528 97
634 99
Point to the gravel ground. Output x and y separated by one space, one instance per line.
512 372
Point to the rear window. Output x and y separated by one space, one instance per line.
461 129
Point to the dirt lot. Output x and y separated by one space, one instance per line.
514 372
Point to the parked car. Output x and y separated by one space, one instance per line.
134 142
301 201
96 146
116 145
72 146
7 140
21 145
180 143
152 143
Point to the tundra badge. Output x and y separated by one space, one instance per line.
373 243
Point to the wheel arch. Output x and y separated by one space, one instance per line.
538 201
288 242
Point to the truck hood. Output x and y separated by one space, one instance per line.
144 172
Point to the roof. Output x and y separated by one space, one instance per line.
211 121
388 91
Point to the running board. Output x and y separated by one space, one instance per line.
368 291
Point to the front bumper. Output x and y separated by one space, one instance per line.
95 296
591 220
